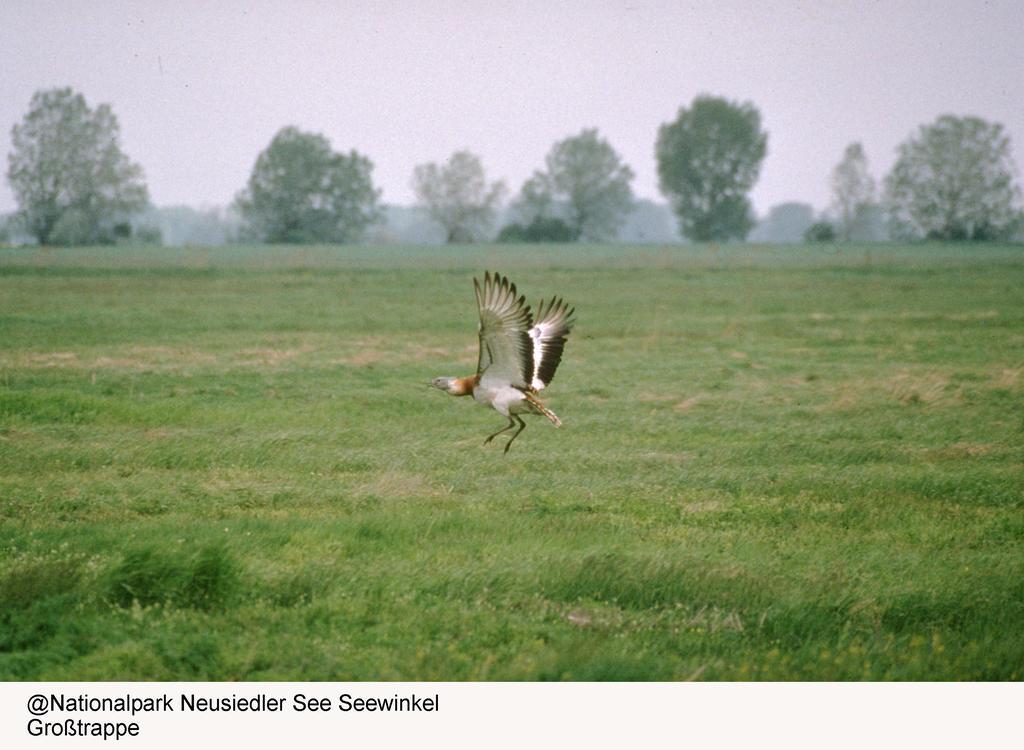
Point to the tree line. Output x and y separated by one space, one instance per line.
953 179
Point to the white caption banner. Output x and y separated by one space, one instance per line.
510 715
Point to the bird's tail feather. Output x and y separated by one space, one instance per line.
544 410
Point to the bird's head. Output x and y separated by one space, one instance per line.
448 385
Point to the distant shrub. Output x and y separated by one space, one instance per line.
512 233
148 235
78 228
820 231
538 230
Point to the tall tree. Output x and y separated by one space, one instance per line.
708 160
954 180
457 196
70 178
535 201
588 181
300 190
853 189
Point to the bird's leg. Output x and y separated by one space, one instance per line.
510 425
522 426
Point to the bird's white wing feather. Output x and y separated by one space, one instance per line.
548 335
506 349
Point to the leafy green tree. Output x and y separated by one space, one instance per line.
535 200
954 180
708 160
853 189
457 196
584 183
869 224
300 190
68 173
588 177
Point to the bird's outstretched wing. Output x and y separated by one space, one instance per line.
506 349
554 322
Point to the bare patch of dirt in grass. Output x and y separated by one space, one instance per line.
110 363
906 387
419 352
1008 377
268 357
401 484
667 456
973 315
367 357
846 398
919 389
130 358
580 617
687 403
592 616
167 357
375 351
254 490
703 506
149 358
48 359
712 620
647 397
961 450
661 400
14 435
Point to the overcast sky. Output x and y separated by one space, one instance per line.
200 88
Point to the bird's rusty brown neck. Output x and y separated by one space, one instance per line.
464 386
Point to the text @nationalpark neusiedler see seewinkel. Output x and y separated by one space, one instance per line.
81 724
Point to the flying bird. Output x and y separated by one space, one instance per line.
518 355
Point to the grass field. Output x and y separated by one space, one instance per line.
776 463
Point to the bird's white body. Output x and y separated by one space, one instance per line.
505 400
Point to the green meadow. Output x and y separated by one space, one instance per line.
787 463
